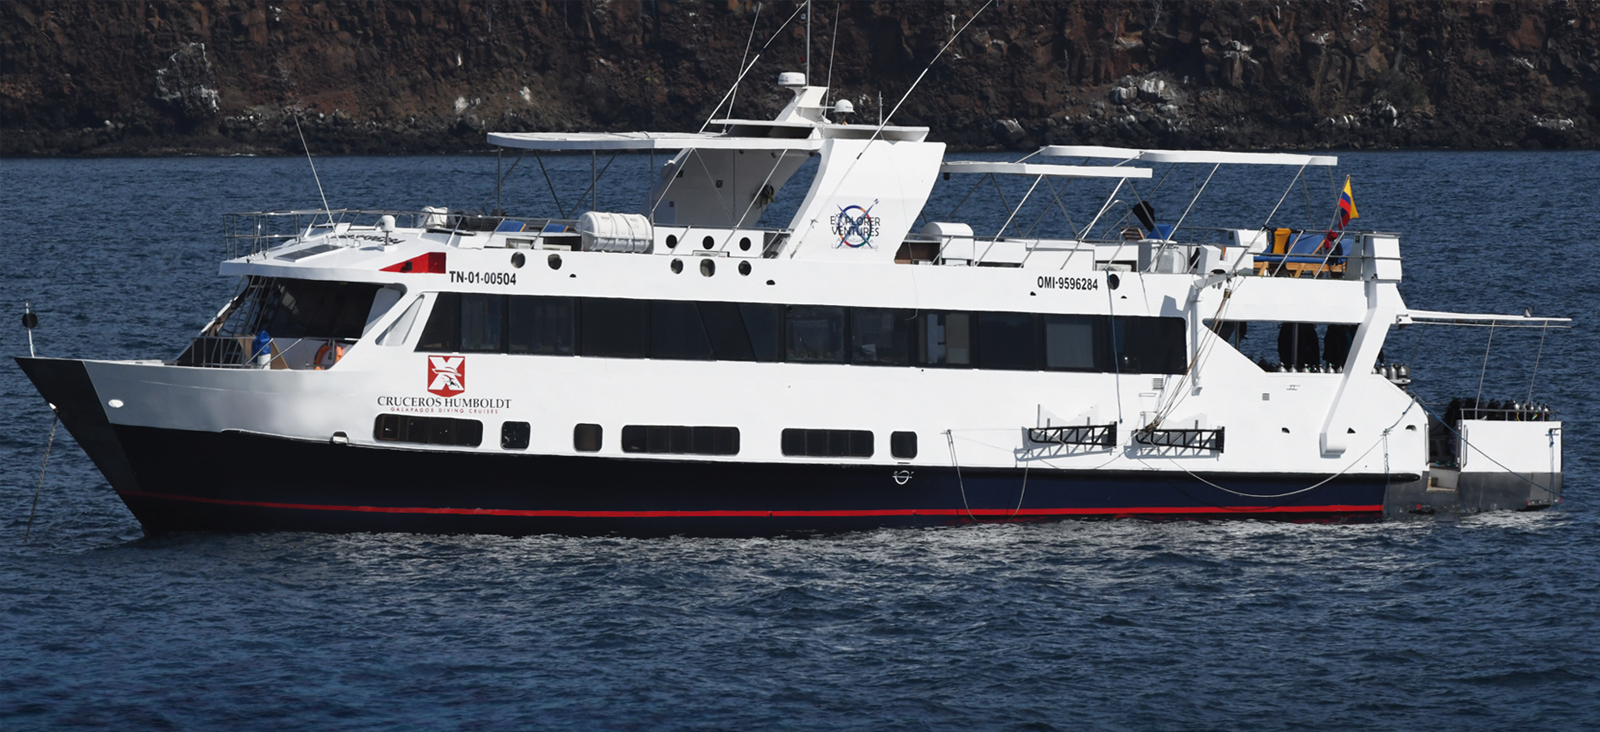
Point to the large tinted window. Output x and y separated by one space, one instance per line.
615 328
880 336
946 339
540 325
676 332
1071 342
764 324
816 333
481 320
725 327
1149 345
1007 341
307 309
443 332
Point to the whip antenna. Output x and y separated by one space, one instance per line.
747 69
925 70
743 59
314 176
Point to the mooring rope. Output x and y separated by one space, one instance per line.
950 436
55 420
1382 440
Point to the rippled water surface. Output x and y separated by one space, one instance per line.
1487 622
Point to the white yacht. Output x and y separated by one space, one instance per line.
679 369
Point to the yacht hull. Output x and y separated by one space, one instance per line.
228 482
186 480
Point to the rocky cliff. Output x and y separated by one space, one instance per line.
160 77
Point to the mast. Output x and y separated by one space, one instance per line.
808 42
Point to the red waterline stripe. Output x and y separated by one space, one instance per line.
958 512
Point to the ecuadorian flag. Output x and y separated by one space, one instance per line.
1347 205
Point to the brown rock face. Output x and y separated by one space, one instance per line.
160 77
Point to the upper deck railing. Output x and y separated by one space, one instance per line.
260 231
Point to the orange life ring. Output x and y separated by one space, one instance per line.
329 348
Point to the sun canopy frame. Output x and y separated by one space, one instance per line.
1435 317
1185 156
625 141
1047 170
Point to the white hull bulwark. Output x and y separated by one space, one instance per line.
680 370
183 478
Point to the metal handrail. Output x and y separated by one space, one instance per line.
236 352
257 232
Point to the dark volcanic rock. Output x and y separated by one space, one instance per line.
114 78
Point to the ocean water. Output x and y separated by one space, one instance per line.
1484 622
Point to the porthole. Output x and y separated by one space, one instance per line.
903 445
708 242
744 243
586 438
1112 281
744 268
708 267
555 261
517 260
677 266
515 435
672 239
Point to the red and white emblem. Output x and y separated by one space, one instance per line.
447 375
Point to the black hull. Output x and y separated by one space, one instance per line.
176 480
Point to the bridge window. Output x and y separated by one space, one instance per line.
290 308
443 331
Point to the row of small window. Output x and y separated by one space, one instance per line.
664 439
726 331
431 430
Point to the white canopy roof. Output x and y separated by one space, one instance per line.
1184 156
645 141
1062 171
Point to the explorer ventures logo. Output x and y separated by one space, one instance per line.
447 375
855 226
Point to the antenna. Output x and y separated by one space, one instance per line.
314 176
833 44
947 45
747 68
884 121
742 60
808 43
